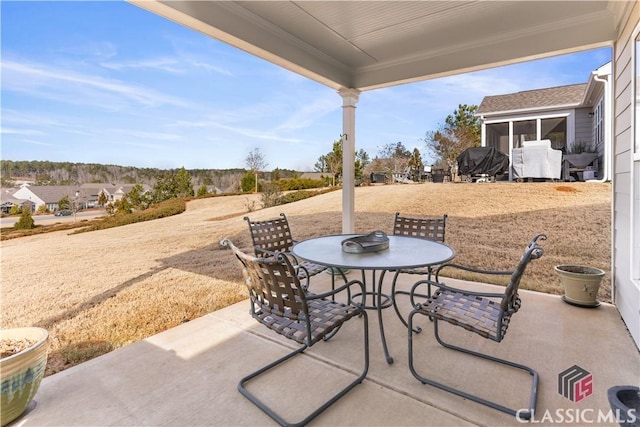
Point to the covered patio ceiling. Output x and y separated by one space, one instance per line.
355 46
371 44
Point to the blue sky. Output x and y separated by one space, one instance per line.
108 82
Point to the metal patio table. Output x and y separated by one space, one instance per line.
403 253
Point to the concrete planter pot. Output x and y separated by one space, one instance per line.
21 373
581 284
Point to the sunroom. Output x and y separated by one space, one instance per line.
573 118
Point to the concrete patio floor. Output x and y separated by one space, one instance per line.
187 376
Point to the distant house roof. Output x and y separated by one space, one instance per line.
539 99
93 189
53 193
7 199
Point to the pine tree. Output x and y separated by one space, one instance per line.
26 221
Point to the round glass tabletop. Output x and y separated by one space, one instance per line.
403 252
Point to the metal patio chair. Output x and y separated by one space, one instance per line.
423 228
486 314
279 302
274 235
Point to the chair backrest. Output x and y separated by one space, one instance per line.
272 235
423 228
272 283
511 304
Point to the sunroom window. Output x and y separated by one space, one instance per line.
498 136
555 130
524 130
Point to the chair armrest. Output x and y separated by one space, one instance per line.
442 286
346 286
298 267
471 269
412 292
263 253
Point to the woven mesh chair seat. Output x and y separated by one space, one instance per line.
312 268
473 313
325 316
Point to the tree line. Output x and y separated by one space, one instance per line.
460 130
67 173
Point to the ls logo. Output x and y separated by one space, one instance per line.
575 383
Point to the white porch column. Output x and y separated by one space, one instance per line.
511 150
349 100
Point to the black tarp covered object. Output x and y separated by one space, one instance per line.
482 160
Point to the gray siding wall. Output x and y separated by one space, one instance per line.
626 292
584 126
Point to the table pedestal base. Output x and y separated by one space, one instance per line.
380 301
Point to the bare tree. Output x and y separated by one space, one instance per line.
255 161
395 157
461 130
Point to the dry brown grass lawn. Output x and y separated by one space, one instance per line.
98 291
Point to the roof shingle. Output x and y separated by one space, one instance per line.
533 99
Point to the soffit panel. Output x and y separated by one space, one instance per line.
370 44
310 29
482 54
476 24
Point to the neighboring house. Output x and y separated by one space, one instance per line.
572 117
8 201
48 195
112 192
86 195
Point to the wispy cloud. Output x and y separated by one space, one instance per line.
156 136
192 51
309 113
137 144
33 142
180 63
171 65
100 50
10 131
66 85
209 67
255 133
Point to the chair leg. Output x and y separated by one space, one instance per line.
333 298
279 419
394 292
520 413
